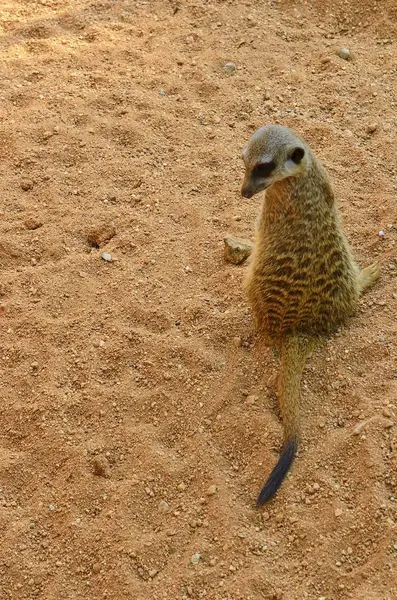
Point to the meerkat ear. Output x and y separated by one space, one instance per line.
297 154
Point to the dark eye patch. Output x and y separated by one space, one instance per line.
263 169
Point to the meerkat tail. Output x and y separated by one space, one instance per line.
294 353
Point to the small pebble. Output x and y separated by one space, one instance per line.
107 256
101 234
279 517
182 486
229 67
48 134
358 428
251 399
164 507
195 559
32 224
100 466
26 184
372 127
381 233
344 53
96 568
338 512
153 573
211 490
237 250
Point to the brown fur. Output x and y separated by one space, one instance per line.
302 282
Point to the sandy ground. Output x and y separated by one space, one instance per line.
128 388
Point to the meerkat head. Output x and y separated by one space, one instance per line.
273 153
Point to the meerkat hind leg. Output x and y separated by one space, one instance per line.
367 277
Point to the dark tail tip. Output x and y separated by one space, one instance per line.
279 472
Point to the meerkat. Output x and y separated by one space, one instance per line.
302 281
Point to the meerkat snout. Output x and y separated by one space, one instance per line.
266 162
257 178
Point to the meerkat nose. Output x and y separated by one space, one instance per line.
247 192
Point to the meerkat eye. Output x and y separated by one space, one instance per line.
297 155
263 169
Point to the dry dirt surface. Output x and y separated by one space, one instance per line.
138 420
